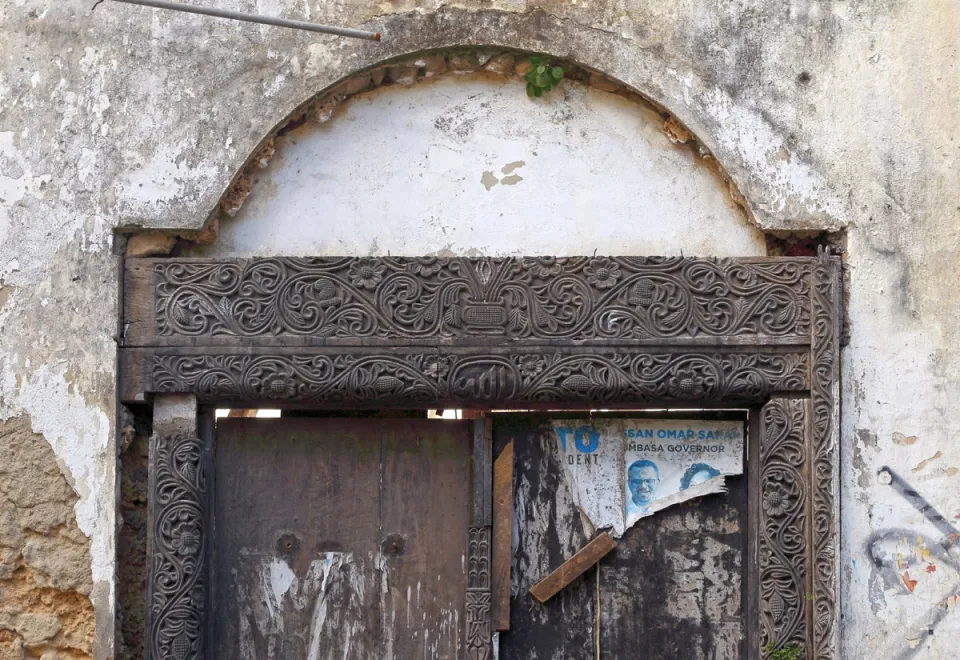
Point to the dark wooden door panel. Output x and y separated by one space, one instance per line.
425 511
340 539
672 589
296 540
548 531
673 585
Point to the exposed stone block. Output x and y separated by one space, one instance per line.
501 64
404 74
676 131
45 573
432 65
461 64
522 67
150 244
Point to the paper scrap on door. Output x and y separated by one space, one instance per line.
622 470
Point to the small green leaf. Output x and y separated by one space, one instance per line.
531 90
557 73
537 92
535 61
541 69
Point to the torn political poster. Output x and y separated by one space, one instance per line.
621 470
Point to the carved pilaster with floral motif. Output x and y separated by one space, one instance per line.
478 614
824 453
783 523
177 544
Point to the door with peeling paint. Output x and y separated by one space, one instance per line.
340 538
672 589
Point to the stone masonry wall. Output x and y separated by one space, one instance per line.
45 610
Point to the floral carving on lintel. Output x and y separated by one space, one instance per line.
542 297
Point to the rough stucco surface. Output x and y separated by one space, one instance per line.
825 114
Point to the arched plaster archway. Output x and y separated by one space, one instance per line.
781 193
444 154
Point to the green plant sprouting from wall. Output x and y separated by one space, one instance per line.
792 652
542 77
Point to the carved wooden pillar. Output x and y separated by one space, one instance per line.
784 524
825 454
178 535
479 629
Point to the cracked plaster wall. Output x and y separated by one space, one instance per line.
826 114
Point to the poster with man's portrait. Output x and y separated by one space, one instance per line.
621 470
668 461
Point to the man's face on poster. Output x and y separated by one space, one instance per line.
642 480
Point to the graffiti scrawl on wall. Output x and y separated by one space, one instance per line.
622 470
903 557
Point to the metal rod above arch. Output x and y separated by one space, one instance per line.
256 18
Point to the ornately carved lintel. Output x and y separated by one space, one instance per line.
548 298
180 537
613 376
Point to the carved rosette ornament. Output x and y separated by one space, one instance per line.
177 597
478 622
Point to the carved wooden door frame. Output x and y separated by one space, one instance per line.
502 332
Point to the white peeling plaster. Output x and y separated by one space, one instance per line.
743 130
16 181
165 177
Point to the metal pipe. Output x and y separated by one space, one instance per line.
254 18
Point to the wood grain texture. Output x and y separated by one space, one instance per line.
548 530
296 550
341 538
502 533
577 565
425 513
482 472
674 587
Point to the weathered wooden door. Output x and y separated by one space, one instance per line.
340 538
671 590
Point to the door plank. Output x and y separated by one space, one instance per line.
296 547
502 533
425 510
